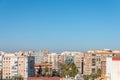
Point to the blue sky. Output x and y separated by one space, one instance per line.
59 25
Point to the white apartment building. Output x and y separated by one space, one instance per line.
1 56
38 58
41 56
113 68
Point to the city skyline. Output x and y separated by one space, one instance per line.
59 25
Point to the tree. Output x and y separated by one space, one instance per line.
93 76
18 78
73 70
55 73
64 70
39 73
46 70
86 77
69 70
99 72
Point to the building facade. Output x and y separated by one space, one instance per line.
94 60
78 60
1 68
53 60
41 56
14 65
113 68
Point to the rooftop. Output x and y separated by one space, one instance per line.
116 58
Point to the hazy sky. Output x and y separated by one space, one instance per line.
59 24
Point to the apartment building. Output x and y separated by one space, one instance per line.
41 56
78 60
26 66
9 66
65 54
57 59
76 57
94 60
14 65
53 60
1 56
25 53
113 68
45 55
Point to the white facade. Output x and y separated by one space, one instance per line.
13 66
113 69
109 67
1 56
0 62
39 57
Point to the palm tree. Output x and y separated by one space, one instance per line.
69 70
64 70
74 70
46 70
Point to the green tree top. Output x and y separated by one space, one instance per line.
69 70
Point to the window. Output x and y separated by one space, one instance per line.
93 54
31 67
93 70
6 77
93 62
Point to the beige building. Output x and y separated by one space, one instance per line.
78 60
14 65
94 60
22 66
53 60
57 59
9 66
45 54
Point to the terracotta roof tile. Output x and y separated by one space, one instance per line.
116 58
